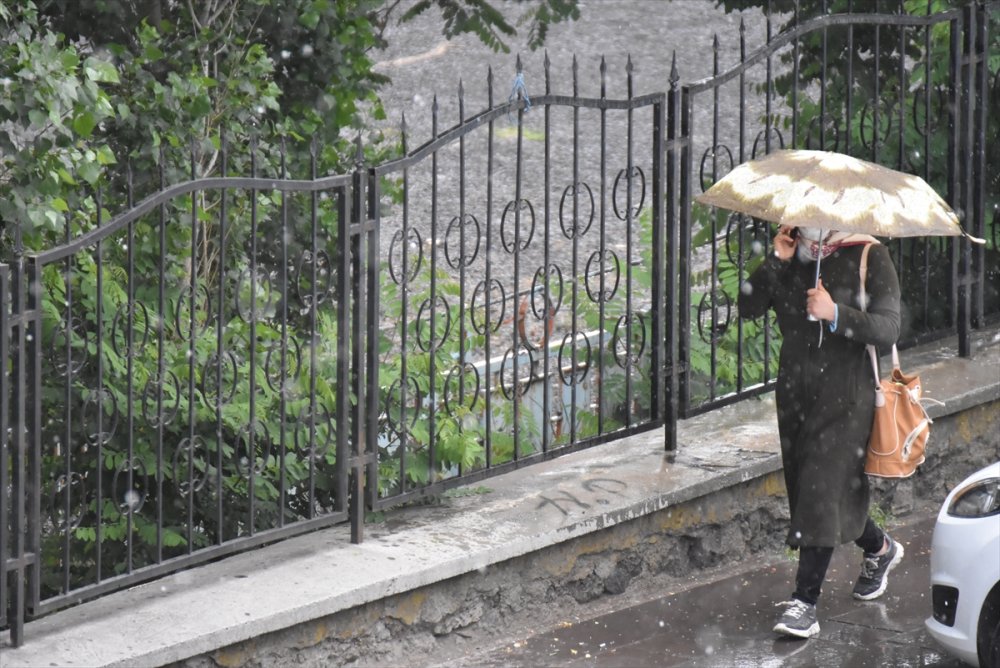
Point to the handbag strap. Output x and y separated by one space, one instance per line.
863 271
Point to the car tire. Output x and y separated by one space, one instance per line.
988 641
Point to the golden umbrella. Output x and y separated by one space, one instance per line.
833 191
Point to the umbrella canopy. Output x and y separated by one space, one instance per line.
833 191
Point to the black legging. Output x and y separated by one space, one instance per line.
813 562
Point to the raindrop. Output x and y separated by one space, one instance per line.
132 499
798 535
285 54
661 624
757 248
307 50
746 288
260 110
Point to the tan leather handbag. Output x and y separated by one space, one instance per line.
901 425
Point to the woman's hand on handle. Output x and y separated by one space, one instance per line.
819 303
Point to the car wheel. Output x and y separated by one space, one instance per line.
988 642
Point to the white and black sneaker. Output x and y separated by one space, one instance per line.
875 572
798 620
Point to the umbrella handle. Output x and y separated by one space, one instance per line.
819 259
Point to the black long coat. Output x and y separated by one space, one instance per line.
825 393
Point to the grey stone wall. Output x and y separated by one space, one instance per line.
654 553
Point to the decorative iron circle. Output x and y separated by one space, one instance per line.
203 306
118 330
601 293
566 357
744 226
483 304
831 125
255 296
427 338
68 365
707 180
919 96
245 453
762 137
574 230
712 331
152 397
71 488
289 365
511 384
403 268
529 332
402 407
132 499
520 240
455 387
101 403
314 432
637 209
628 341
217 372
311 290
871 136
461 229
186 460
538 284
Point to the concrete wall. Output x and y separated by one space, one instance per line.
657 552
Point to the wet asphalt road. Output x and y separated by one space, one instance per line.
727 623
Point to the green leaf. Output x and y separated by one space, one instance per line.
84 124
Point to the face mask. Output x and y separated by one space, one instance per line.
811 233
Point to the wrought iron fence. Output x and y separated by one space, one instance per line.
238 359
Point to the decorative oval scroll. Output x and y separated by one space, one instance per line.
538 284
520 240
637 209
315 433
597 294
479 315
762 137
100 431
202 307
308 288
509 385
255 296
68 489
245 453
566 357
119 331
920 107
130 500
152 397
574 230
426 338
456 388
707 180
529 331
289 362
461 229
870 135
743 225
398 413
223 365
628 343
188 477
713 330
76 333
403 267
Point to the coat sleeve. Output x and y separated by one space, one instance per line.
879 324
756 293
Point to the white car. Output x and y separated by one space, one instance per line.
965 570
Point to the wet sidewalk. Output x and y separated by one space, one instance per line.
727 622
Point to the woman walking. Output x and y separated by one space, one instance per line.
825 399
